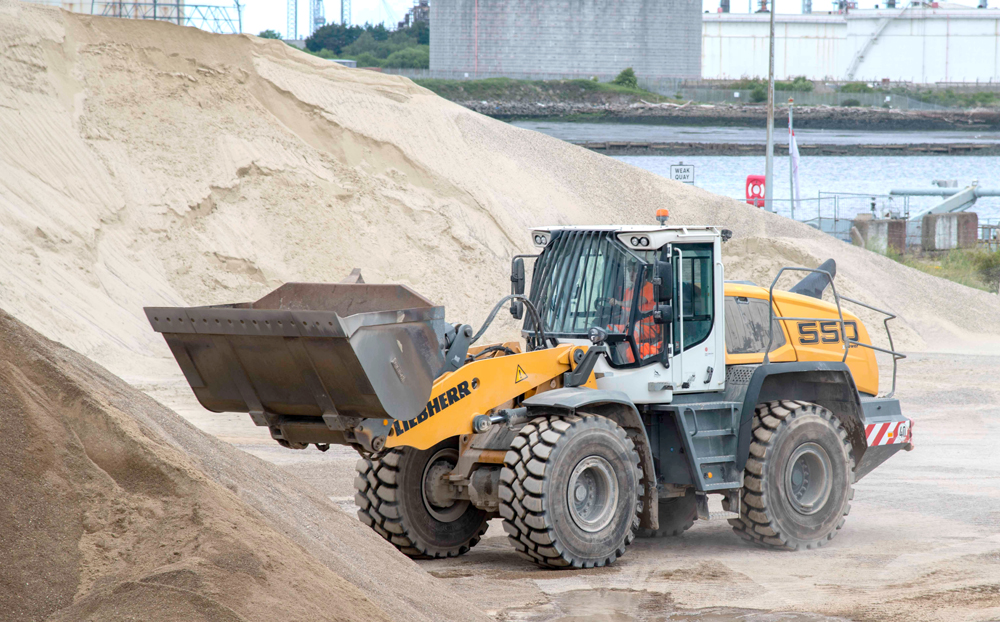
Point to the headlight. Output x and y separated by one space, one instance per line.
644 241
634 241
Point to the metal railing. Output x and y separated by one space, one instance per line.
989 234
771 318
896 356
848 342
213 18
834 212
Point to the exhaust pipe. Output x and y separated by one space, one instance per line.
814 284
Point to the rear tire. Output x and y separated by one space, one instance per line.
570 490
799 478
395 498
677 515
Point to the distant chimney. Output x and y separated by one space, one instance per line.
982 4
724 6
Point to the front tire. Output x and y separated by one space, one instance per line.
400 496
799 478
570 490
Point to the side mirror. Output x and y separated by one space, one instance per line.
663 313
517 287
517 276
665 276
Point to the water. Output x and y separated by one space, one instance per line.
726 175
863 175
633 132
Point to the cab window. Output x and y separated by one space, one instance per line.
696 293
746 326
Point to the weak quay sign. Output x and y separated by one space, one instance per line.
683 173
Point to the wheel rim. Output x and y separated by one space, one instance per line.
435 489
808 478
592 494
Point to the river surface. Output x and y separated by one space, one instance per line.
865 176
635 132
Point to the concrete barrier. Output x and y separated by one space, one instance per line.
943 232
881 235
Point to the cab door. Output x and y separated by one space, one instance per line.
696 339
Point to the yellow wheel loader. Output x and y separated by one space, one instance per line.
644 383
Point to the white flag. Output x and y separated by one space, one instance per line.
793 157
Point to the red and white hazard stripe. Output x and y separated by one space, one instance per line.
888 433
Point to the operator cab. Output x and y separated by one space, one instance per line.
655 291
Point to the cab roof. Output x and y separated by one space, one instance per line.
634 228
640 237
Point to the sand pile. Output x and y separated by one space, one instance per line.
148 164
112 508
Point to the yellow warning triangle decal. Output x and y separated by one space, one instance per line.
520 375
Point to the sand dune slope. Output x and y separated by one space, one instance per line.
114 508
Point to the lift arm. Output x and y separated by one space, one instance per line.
480 387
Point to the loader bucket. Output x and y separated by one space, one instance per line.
310 350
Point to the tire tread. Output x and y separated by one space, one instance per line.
380 509
756 522
526 520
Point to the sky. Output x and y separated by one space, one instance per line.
261 15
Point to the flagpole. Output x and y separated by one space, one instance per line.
769 157
791 162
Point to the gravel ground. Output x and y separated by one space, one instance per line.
922 541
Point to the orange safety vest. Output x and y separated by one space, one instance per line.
648 334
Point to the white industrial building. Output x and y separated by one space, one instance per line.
919 44
565 38
923 43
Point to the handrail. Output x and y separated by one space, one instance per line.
896 356
771 318
680 315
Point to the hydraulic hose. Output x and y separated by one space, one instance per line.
539 330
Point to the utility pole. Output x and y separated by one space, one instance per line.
769 164
791 159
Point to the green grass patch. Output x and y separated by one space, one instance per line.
951 99
941 97
856 87
977 268
800 84
508 89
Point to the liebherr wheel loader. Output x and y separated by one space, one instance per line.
644 383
